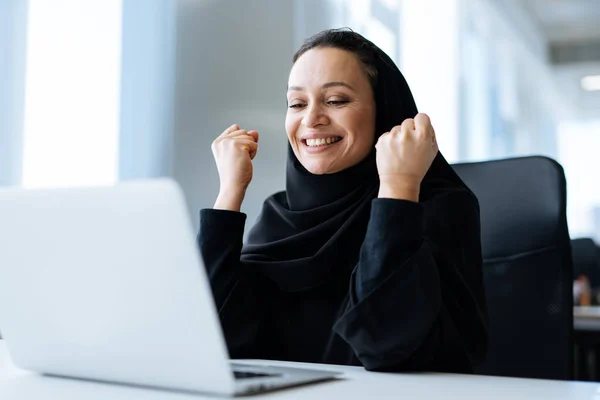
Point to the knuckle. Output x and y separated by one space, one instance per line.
385 139
423 116
404 135
228 144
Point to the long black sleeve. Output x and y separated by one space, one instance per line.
394 233
419 302
414 301
237 296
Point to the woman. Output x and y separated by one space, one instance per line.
371 256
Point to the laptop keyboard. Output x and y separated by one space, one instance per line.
246 375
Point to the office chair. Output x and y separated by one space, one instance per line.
527 266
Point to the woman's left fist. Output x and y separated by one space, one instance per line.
404 155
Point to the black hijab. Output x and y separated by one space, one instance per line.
310 233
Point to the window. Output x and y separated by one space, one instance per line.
578 143
72 85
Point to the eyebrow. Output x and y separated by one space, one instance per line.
325 86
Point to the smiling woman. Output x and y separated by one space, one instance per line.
331 111
372 255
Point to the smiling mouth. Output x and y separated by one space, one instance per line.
321 142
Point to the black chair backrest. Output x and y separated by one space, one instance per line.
527 266
586 260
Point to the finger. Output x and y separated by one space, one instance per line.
253 152
408 125
232 128
254 135
385 136
244 140
396 129
239 133
422 121
424 128
380 140
244 133
251 147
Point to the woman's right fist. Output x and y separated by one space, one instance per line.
233 151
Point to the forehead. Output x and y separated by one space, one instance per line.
322 65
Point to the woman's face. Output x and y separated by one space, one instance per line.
330 120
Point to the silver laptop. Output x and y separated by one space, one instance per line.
107 284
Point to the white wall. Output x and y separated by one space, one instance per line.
232 63
147 79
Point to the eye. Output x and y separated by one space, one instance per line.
297 105
337 102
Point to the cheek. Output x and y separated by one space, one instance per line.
291 125
364 131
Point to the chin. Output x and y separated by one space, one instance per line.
317 168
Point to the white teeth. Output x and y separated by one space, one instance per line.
321 142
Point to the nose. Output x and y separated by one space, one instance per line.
314 116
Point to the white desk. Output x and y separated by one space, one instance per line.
586 318
356 383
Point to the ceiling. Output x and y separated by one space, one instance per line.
572 30
567 20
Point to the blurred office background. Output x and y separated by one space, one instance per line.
97 91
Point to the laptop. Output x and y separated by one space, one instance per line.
107 283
